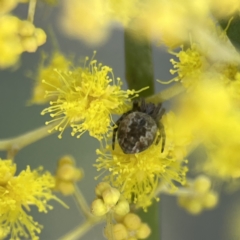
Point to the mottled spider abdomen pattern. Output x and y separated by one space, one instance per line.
136 132
136 129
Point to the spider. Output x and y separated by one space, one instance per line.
137 129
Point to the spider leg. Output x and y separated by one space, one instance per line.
115 129
114 137
160 114
156 114
135 106
143 105
158 138
162 135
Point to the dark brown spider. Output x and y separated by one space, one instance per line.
137 129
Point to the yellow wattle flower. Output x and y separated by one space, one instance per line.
197 61
190 65
178 136
86 98
58 61
92 20
139 175
210 114
18 193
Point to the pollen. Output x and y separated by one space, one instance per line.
138 175
18 193
46 72
190 64
85 100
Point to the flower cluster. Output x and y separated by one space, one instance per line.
10 44
198 61
85 98
139 175
16 35
130 227
18 193
57 61
109 200
67 175
30 36
148 18
200 196
137 180
210 114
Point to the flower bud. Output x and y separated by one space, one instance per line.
98 208
67 159
120 232
210 200
40 36
7 171
132 221
26 29
101 187
66 188
29 44
202 184
143 231
194 206
111 196
118 218
122 207
7 6
67 171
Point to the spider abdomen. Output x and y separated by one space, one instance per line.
136 132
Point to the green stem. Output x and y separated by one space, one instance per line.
139 74
138 64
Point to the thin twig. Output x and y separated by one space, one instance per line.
179 192
78 232
109 227
81 202
166 94
31 10
16 143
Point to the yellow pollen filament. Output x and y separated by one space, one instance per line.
86 99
